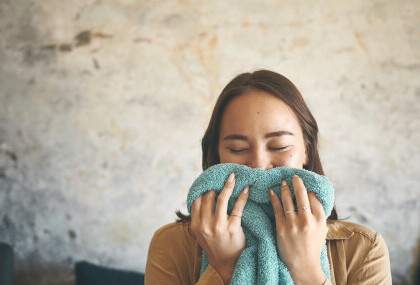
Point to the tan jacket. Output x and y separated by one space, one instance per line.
357 255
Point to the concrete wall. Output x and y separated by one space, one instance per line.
103 104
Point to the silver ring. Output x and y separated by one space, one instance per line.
304 208
240 217
289 212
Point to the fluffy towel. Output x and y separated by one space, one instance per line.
259 262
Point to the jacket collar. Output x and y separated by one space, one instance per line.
338 230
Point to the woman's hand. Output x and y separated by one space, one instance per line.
300 234
219 235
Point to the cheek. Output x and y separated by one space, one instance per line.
289 160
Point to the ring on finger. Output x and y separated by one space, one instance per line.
240 217
304 208
289 212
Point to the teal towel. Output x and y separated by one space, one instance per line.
259 262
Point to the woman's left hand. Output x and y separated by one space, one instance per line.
301 233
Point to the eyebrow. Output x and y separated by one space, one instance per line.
269 135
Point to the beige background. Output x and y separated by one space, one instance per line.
103 105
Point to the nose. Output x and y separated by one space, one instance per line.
260 159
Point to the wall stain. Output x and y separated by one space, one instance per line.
65 47
213 42
102 35
344 50
360 41
142 40
96 64
12 155
83 38
49 47
172 20
298 42
32 54
72 234
392 64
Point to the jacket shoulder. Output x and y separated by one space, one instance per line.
172 255
171 245
171 228
358 240
173 233
359 251
351 229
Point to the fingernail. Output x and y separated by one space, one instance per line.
231 177
271 192
283 183
246 190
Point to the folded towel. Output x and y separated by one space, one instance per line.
259 262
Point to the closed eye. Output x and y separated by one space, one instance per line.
279 148
238 150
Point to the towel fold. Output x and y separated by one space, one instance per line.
259 262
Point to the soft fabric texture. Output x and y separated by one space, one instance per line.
259 262
6 264
91 274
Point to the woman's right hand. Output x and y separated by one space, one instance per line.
220 235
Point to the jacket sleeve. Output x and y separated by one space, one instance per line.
159 270
375 267
166 266
210 276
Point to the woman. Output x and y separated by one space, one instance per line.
261 120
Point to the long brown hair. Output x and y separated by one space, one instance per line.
281 87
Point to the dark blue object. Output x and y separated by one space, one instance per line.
6 264
91 274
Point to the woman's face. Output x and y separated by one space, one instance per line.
259 130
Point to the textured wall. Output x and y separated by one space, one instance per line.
103 104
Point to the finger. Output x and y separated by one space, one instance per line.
286 199
223 199
301 194
195 213
316 206
207 206
195 207
238 208
277 208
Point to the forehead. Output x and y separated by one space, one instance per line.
258 111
